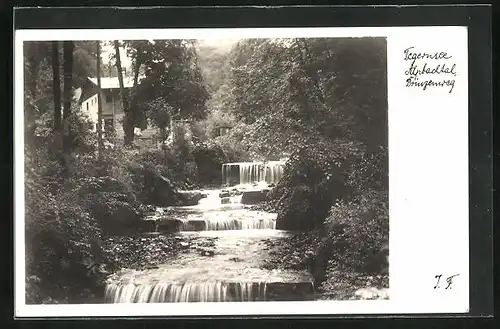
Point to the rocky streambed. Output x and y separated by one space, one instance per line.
146 251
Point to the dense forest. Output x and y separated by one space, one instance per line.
319 102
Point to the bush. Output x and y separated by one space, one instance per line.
111 203
59 236
359 228
314 177
355 233
209 158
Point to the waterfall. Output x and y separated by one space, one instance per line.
188 292
253 172
224 224
235 224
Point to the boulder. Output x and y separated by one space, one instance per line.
253 197
224 195
168 225
114 215
189 198
164 193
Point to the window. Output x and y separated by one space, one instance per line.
87 106
108 124
109 98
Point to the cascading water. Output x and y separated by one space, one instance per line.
231 271
253 172
189 292
216 213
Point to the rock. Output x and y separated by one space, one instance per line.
194 225
253 197
163 191
206 252
225 200
168 225
224 195
189 198
114 215
184 244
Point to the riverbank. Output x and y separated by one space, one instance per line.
298 252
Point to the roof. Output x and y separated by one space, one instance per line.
77 94
114 83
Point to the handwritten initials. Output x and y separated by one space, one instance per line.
449 281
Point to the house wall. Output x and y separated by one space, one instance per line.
112 109
90 107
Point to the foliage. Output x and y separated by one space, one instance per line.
290 89
323 102
217 118
214 65
313 179
209 157
358 229
173 81
59 233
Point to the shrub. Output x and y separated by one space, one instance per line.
314 177
356 231
209 158
59 234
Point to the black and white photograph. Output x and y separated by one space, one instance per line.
192 170
212 172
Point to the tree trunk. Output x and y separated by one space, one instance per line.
68 47
100 144
128 124
56 87
31 80
134 111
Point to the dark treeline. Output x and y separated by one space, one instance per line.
322 103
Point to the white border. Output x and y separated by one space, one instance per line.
414 141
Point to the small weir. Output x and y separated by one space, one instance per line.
250 172
208 292
233 271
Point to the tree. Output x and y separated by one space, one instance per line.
100 145
68 48
136 50
173 85
37 83
56 87
297 91
128 122
84 61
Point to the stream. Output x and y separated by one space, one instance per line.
231 270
